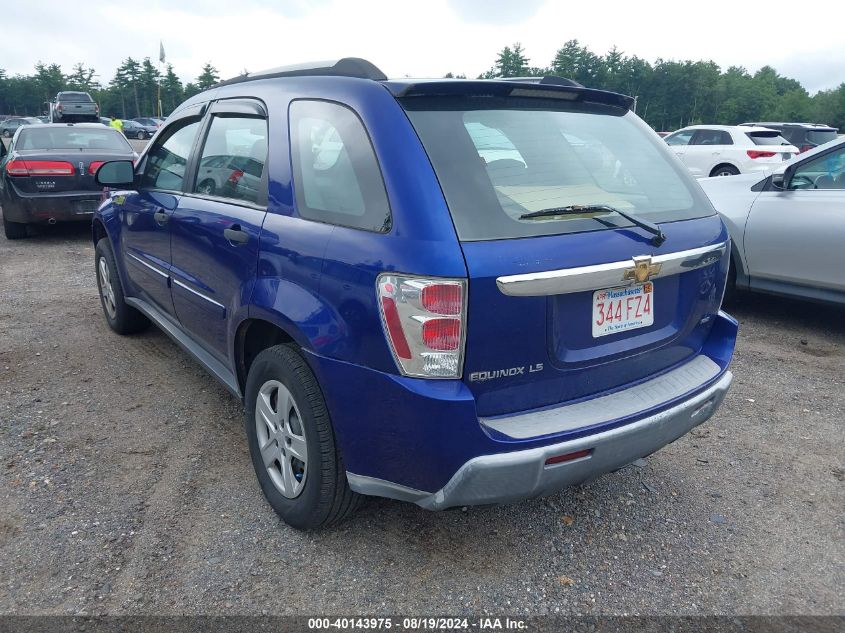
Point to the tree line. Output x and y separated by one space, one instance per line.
133 91
672 94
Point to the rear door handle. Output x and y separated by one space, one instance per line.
160 217
236 236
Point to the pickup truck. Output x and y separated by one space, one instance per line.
74 107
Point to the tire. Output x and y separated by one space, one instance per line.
14 230
121 317
730 285
141 135
207 187
311 492
724 170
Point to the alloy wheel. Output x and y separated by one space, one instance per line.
281 438
106 289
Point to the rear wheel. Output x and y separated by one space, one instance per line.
14 230
292 442
724 170
121 317
141 135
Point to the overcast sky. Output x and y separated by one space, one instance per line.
422 38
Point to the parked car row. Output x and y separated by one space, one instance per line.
725 150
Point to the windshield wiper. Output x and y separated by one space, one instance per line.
575 209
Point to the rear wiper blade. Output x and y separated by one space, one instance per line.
575 209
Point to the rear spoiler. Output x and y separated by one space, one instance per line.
524 87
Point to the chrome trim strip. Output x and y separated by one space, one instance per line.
199 294
610 275
150 266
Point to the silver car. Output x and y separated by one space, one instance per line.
788 226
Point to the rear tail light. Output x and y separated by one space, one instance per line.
59 107
39 168
756 153
805 148
425 323
94 166
96 108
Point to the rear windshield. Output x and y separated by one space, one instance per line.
819 137
498 159
72 138
74 96
767 138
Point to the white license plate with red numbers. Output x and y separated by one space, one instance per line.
620 309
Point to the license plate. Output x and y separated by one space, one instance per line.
87 206
621 309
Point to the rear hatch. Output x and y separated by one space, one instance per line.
770 147
62 159
556 309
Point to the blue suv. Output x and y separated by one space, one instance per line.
449 292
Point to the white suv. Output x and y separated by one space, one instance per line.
727 150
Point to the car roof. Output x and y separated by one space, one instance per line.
728 128
809 126
98 126
355 68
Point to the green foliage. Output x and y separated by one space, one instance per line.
670 94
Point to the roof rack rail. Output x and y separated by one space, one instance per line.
344 67
548 80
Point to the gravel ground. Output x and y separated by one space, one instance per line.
126 488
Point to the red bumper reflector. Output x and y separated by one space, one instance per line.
568 457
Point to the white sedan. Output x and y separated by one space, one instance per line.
727 150
788 227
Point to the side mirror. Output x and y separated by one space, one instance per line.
116 173
779 181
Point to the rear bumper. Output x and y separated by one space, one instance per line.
72 207
423 441
507 477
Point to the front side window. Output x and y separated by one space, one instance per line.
336 176
824 172
512 167
233 158
680 138
167 160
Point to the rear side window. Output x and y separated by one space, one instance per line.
167 160
500 160
336 176
232 161
767 138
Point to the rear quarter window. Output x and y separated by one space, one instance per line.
337 179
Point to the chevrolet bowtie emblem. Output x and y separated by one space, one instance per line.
642 269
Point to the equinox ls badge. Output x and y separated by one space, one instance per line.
642 269
481 376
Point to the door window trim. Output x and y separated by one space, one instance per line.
238 107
